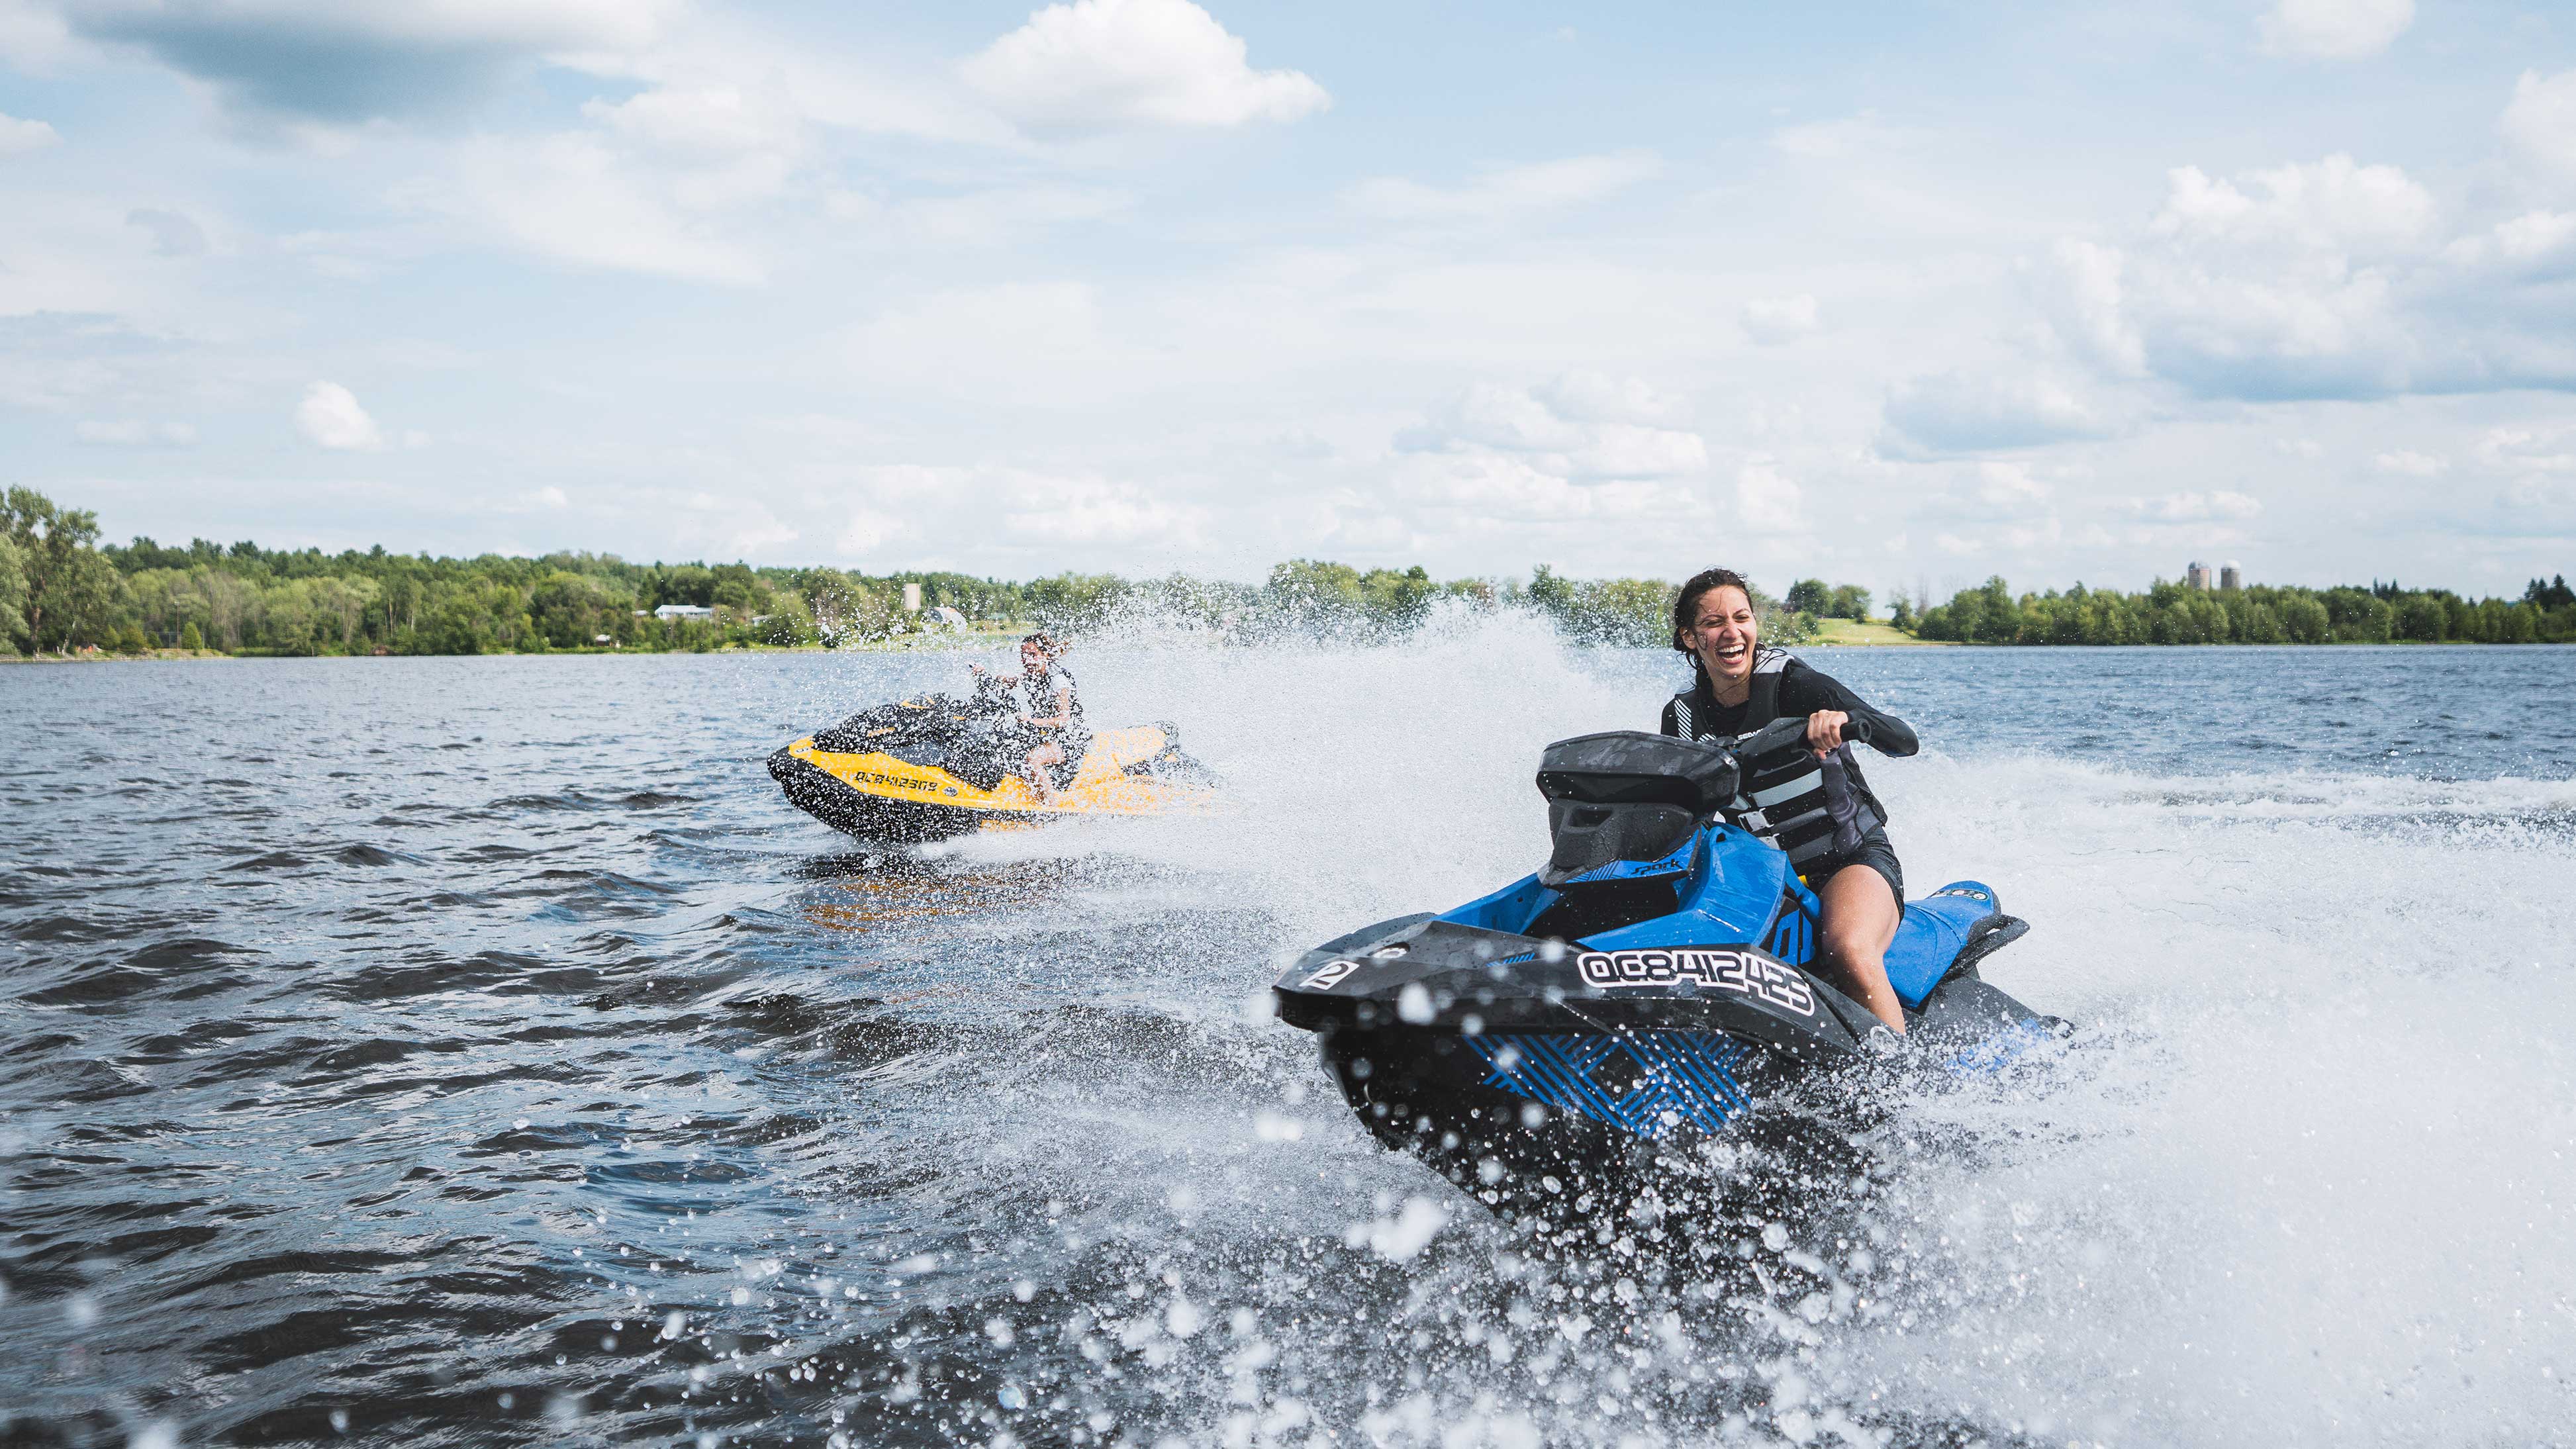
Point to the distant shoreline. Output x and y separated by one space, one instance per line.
950 644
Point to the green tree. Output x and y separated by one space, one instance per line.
1550 594
789 622
1396 600
190 638
685 584
1849 601
1312 592
2303 620
1633 612
69 587
1810 596
571 609
2420 617
13 594
1071 602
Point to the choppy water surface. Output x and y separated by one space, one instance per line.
480 1051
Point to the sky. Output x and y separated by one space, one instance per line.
1895 294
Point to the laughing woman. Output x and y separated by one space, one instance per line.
1833 828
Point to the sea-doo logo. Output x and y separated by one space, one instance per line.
1742 972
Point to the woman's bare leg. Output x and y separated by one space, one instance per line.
1859 922
1045 755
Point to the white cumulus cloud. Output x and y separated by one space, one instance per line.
2335 29
2541 122
18 137
575 198
1099 64
1053 512
1771 321
1769 500
2330 279
1507 191
2008 486
134 433
2196 506
1583 427
331 417
1970 412
2336 202
2413 464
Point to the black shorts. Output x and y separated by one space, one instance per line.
1875 853
1074 747
1020 740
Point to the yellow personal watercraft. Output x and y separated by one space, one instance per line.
935 767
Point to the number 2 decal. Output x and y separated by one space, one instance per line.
1332 972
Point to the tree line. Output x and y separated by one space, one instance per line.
61 591
2175 613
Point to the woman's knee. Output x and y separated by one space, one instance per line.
1859 946
1859 922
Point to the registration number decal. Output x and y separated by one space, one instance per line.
1745 973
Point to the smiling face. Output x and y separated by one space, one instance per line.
1033 660
1723 633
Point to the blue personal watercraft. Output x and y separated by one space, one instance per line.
1653 988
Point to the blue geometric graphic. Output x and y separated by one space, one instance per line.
1644 1083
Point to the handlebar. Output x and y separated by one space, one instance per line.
1781 734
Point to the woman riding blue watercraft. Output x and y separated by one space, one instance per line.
1053 724
1817 807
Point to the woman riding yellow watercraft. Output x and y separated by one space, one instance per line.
1058 738
939 766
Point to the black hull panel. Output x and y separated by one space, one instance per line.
1463 1106
836 803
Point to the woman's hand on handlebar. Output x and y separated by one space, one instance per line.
1825 731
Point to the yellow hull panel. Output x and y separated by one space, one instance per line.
1100 787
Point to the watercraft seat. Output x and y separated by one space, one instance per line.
1626 796
1947 931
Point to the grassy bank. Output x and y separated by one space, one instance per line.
1865 632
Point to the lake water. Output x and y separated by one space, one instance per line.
481 1051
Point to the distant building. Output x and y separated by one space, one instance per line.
2230 577
940 616
2196 575
912 598
701 611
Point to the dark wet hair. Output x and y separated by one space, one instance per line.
1048 645
1686 603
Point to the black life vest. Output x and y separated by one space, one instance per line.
1805 805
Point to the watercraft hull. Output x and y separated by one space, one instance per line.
940 776
899 819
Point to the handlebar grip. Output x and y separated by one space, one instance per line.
1778 735
1781 734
